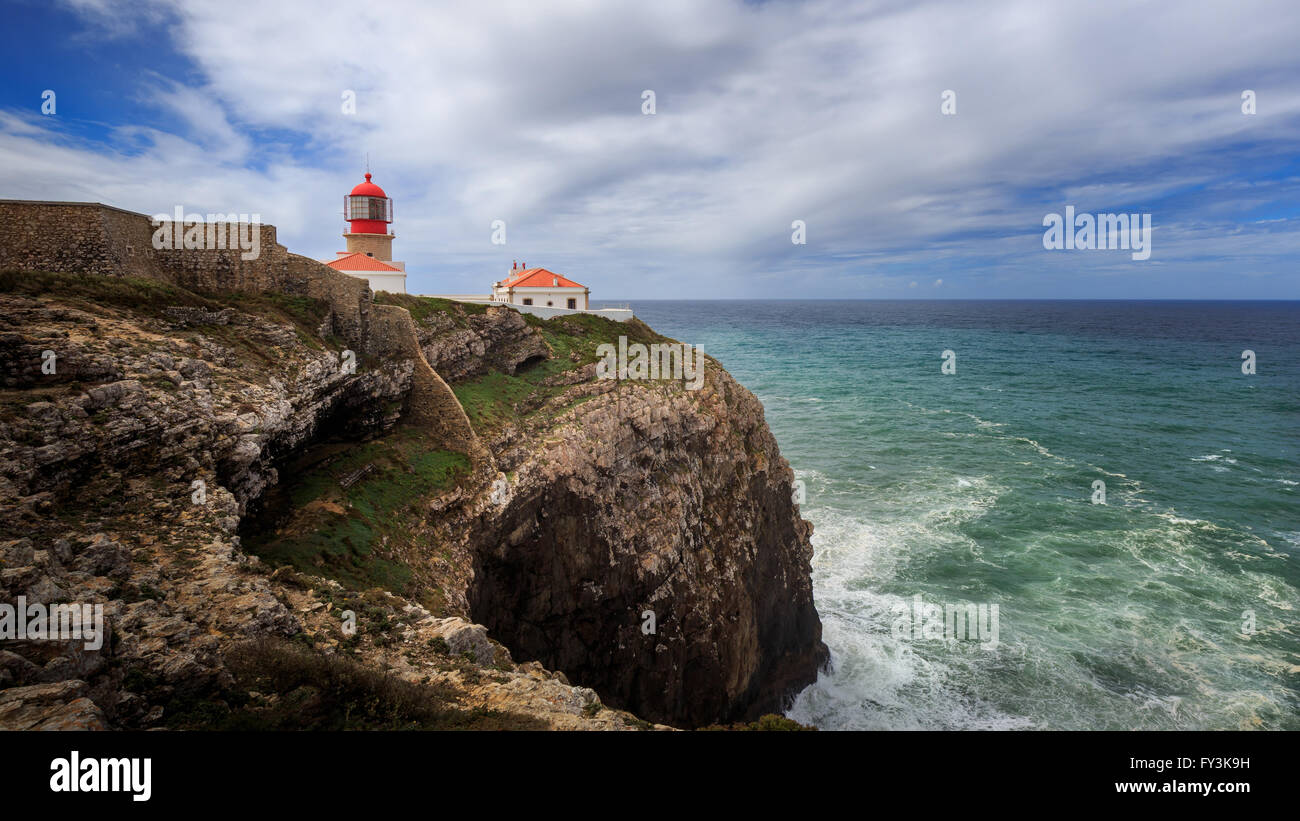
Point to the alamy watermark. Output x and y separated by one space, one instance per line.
1103 232
219 232
36 621
128 775
674 360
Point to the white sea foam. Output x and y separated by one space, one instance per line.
1042 451
983 423
880 681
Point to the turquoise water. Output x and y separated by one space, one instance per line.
977 488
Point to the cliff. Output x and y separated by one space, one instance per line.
496 521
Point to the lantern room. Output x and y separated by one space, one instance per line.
368 212
367 209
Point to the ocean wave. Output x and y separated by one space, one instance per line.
983 423
879 682
882 682
1214 457
804 399
1042 451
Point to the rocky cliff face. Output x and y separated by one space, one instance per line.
642 536
205 467
652 503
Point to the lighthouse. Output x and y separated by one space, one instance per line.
369 213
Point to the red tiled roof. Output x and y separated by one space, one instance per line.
360 262
538 278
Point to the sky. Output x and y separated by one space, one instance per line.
827 113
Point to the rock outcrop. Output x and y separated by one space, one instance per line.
467 340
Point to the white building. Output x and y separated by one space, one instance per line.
382 276
540 288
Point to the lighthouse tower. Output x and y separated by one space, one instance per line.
369 212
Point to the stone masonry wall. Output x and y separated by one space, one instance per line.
378 246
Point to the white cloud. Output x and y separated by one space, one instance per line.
822 111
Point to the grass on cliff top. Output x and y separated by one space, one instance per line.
304 313
497 398
303 689
422 307
143 295
352 535
150 297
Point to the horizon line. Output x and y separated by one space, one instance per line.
949 299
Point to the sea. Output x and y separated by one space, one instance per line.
1105 473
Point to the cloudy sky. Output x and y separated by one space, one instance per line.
765 113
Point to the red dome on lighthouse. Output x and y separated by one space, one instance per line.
368 189
367 209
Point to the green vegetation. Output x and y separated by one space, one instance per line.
422 307
489 400
767 723
150 297
439 645
304 313
497 398
142 295
340 533
284 685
